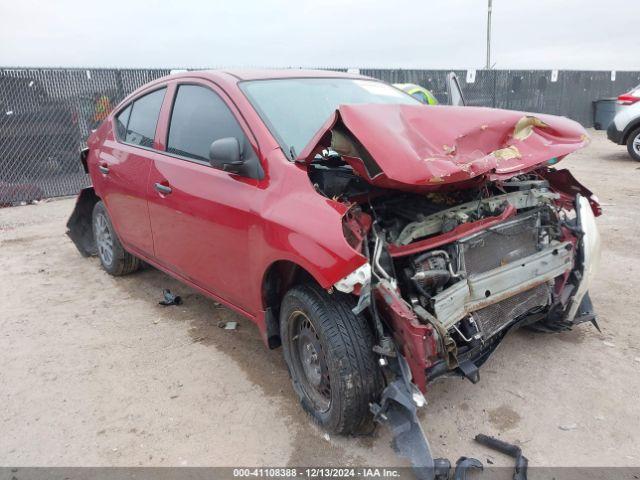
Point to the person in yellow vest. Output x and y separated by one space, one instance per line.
421 93
102 106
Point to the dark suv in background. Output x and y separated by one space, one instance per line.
39 138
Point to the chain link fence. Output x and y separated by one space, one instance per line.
46 115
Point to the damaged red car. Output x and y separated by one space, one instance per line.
382 243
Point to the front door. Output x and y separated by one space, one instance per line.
202 217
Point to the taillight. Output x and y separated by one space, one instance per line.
628 98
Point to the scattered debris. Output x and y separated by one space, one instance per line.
463 465
514 451
609 344
170 298
568 428
398 410
637 359
326 437
228 325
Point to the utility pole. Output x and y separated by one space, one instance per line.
488 65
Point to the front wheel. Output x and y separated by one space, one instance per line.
329 352
633 144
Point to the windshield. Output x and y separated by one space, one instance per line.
294 109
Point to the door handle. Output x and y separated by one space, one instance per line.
165 189
103 168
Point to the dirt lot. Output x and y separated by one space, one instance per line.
95 372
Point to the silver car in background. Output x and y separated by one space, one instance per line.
625 127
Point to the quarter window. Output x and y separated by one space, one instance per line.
199 117
143 118
122 119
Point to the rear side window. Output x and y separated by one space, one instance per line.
143 118
199 117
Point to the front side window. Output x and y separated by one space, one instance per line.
294 109
143 118
198 118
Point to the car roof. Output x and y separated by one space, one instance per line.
229 78
265 74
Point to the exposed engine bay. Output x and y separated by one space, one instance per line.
466 232
467 265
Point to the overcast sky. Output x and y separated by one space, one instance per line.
561 34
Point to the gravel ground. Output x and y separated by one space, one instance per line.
95 373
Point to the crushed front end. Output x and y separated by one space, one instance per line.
462 243
449 275
466 227
452 273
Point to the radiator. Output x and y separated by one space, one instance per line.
502 244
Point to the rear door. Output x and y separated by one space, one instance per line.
123 170
202 217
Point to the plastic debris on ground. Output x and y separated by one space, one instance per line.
170 299
228 325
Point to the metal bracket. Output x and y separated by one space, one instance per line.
470 371
398 410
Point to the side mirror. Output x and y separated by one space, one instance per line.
226 154
455 92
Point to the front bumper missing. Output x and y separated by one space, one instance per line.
487 288
398 409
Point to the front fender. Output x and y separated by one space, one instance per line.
325 261
303 227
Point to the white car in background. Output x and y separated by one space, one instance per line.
625 127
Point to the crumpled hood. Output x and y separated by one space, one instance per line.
416 147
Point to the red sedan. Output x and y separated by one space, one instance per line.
382 243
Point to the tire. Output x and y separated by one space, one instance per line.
337 386
633 144
113 257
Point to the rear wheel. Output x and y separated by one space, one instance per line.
328 350
113 257
633 144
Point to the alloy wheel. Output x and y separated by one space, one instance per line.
104 239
